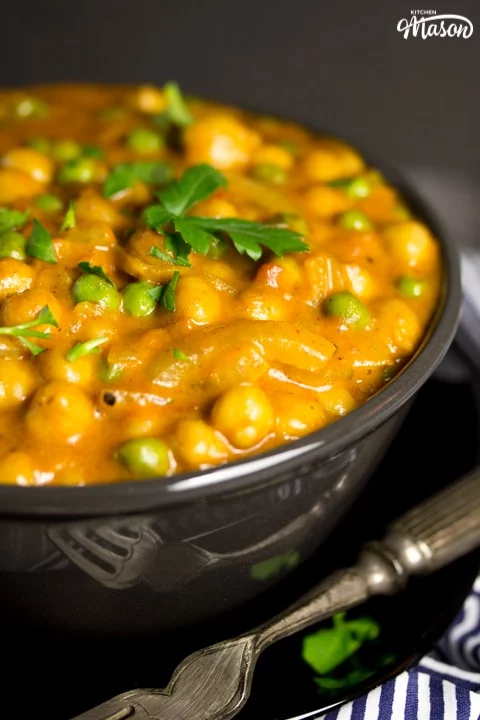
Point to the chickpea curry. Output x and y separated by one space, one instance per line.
183 284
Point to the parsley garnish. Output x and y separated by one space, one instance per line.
69 221
86 348
125 175
11 219
26 330
165 294
39 244
328 648
177 111
92 151
179 355
199 233
95 270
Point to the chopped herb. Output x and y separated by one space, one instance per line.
123 176
178 254
48 203
95 270
69 221
165 294
196 184
27 330
177 110
39 244
86 348
12 219
92 151
179 355
328 648
109 372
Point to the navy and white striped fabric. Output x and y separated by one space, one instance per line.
445 685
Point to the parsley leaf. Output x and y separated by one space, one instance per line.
196 183
179 355
39 244
86 348
27 330
178 251
92 151
69 221
177 110
95 270
201 233
165 294
11 219
125 175
328 648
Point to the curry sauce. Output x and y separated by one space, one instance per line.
183 284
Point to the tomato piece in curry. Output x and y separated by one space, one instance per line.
183 284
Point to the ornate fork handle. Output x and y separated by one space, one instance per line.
214 683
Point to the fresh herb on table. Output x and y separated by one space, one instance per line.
70 220
27 330
40 244
165 294
89 269
273 566
86 348
330 649
198 233
123 176
12 219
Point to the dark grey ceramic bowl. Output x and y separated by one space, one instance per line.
146 556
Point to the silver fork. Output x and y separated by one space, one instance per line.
214 683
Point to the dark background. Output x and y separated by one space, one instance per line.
341 66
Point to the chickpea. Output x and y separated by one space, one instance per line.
26 306
17 468
92 208
197 444
15 276
332 160
60 409
15 185
18 380
267 304
324 202
215 207
220 140
197 300
53 365
273 155
401 324
297 416
411 246
147 99
337 401
244 415
35 164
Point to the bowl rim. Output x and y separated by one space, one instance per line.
137 496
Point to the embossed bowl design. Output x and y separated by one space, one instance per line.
143 556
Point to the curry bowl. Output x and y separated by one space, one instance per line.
139 556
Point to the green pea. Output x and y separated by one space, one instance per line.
348 307
145 456
355 220
136 299
268 172
359 188
144 141
80 170
64 150
95 289
48 203
41 145
411 287
12 245
31 107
